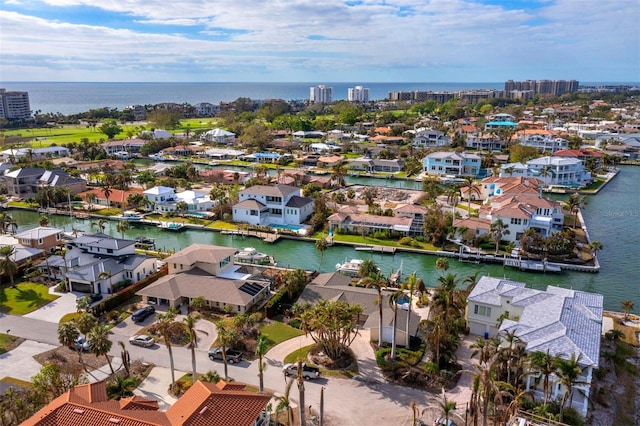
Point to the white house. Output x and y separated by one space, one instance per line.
218 136
429 138
160 194
561 171
164 199
156 134
545 143
272 205
561 321
452 163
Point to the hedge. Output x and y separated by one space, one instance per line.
128 293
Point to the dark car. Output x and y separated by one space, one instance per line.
95 297
233 356
308 372
142 313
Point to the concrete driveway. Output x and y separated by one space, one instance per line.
156 386
52 312
19 363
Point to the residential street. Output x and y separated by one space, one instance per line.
347 402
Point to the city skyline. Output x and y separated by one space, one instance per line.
306 41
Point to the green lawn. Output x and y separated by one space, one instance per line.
24 298
7 342
373 241
221 224
278 332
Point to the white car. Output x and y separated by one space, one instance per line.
142 340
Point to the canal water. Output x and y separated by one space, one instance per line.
613 218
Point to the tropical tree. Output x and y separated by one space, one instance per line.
165 325
394 300
442 264
321 246
43 221
107 191
367 268
106 274
7 265
261 350
226 335
99 343
627 305
121 387
333 325
122 227
410 286
498 230
91 198
100 224
568 371
182 207
67 334
198 303
338 174
301 401
453 196
284 403
595 247
469 181
190 325
575 203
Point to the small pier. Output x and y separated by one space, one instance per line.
377 249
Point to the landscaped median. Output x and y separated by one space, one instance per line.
302 354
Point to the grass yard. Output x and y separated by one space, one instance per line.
24 298
8 342
221 224
278 332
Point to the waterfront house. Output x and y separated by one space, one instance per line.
130 146
202 270
484 141
390 166
42 237
561 321
58 178
557 171
452 163
183 150
416 213
34 154
99 263
220 154
278 205
213 404
429 138
330 161
345 221
21 254
116 198
163 199
23 182
495 186
583 155
224 177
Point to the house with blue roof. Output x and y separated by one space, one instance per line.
566 323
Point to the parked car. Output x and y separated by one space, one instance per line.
142 340
81 344
95 297
233 356
308 372
142 313
441 421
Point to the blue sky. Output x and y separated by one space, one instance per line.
311 40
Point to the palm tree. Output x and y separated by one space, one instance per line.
321 246
67 333
226 335
301 401
7 264
595 247
43 221
453 195
368 267
284 403
442 264
627 306
190 324
91 199
568 371
575 202
165 324
261 350
8 223
410 285
101 225
106 274
498 229
469 181
546 171
121 387
107 192
99 343
338 173
447 407
394 298
182 207
122 227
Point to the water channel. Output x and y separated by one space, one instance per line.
612 217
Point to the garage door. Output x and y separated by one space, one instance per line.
477 329
387 334
81 287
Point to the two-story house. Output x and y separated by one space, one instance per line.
99 263
452 163
560 171
207 271
43 237
23 182
164 199
272 205
566 323
430 138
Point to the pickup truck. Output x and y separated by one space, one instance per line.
308 372
233 356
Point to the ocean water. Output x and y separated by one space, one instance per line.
73 98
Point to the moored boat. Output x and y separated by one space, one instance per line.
130 216
252 256
172 226
350 268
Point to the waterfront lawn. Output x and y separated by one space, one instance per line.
24 298
278 332
358 239
221 224
598 182
22 204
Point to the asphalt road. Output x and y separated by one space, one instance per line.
364 399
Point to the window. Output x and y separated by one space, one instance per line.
482 310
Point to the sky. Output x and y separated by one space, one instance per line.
319 40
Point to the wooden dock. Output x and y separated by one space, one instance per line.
377 249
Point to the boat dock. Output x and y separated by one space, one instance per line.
377 249
264 236
531 265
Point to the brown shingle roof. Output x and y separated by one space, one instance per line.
204 253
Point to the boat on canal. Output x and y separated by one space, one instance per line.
172 226
130 216
350 268
252 256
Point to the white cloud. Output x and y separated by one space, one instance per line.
437 40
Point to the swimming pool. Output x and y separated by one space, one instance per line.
198 214
290 227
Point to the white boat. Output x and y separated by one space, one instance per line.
172 226
252 256
157 157
350 268
130 215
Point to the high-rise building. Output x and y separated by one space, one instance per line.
358 94
321 94
544 87
14 105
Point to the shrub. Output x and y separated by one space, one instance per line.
416 244
406 241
